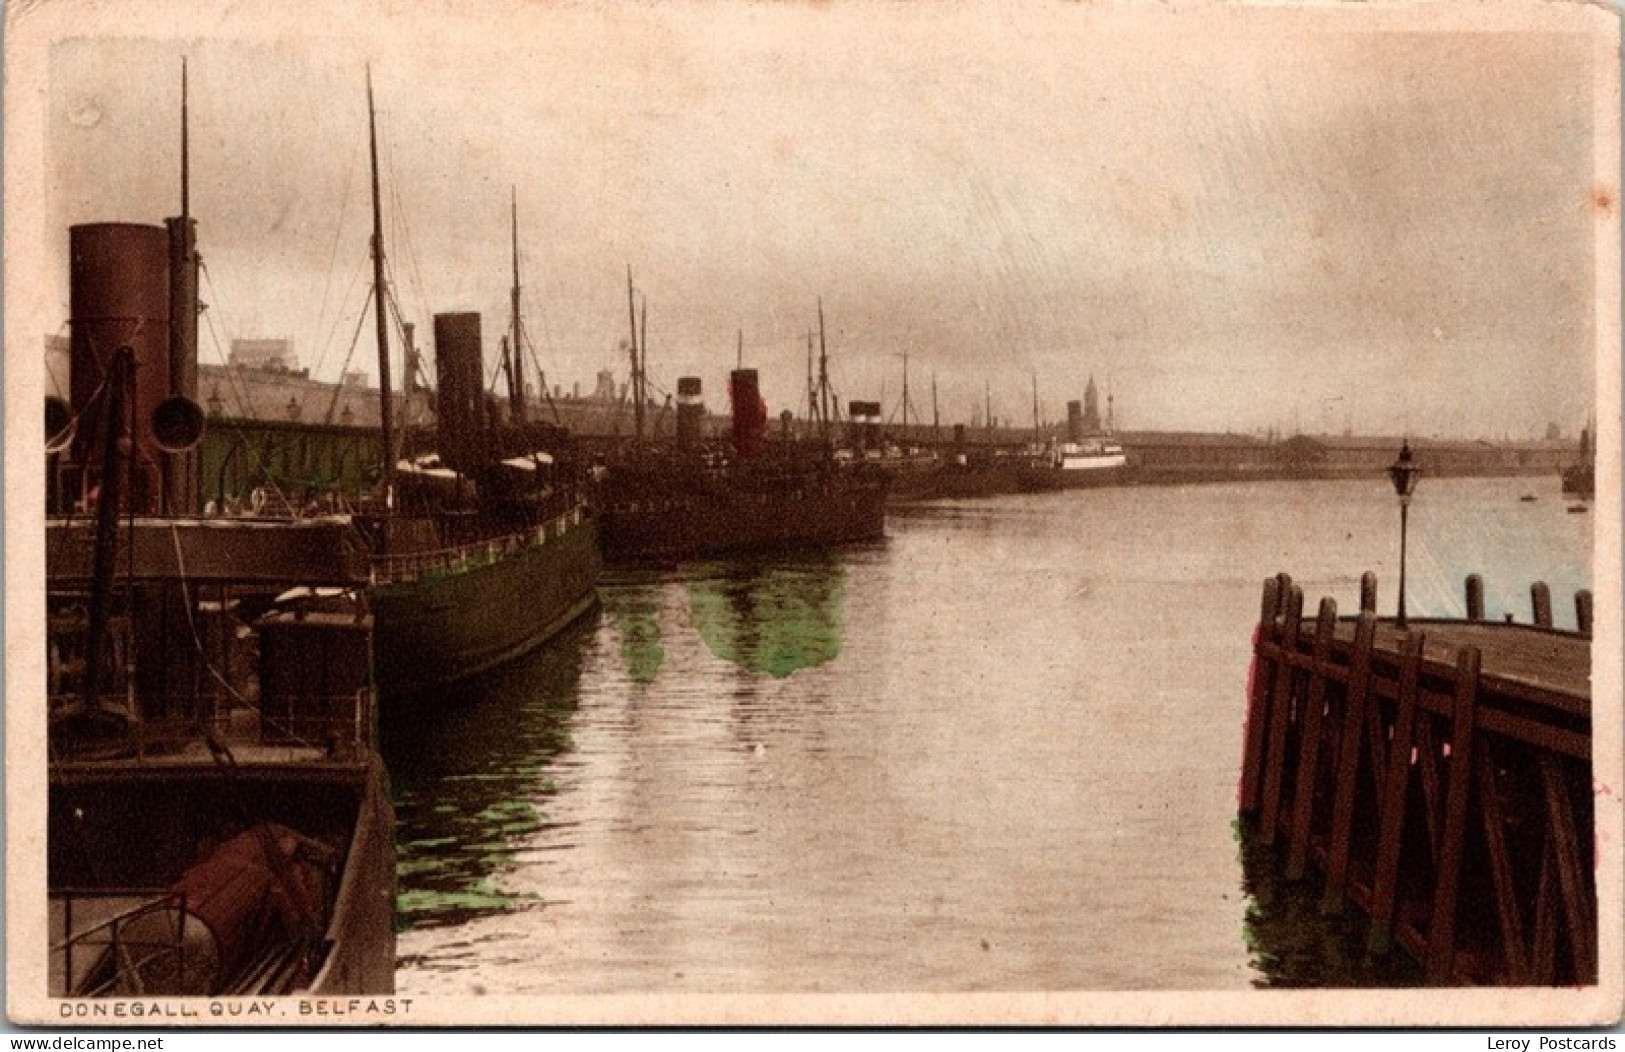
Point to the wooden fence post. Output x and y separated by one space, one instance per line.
1508 912
1308 775
1280 717
1576 893
1368 591
1441 946
1475 597
1582 611
1348 760
1395 786
1264 666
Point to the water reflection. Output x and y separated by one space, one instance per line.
997 752
633 606
466 772
770 618
1293 943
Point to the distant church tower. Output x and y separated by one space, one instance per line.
1091 407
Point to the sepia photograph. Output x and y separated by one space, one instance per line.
820 512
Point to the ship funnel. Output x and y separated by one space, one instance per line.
1074 421
461 401
749 412
177 424
119 297
865 429
58 425
690 411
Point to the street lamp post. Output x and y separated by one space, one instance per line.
1404 473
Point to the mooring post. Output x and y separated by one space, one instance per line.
1308 773
1355 701
1540 602
1396 781
1441 946
1280 716
1475 597
1368 591
1582 611
1263 672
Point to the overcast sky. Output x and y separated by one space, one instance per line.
1236 219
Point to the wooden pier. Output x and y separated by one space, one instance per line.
1438 778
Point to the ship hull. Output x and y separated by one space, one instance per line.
694 525
440 629
996 478
1089 476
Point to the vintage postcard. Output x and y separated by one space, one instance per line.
979 512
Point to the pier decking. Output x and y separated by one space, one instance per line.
1436 777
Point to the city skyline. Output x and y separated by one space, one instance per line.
1329 210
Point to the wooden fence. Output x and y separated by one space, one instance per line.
1438 778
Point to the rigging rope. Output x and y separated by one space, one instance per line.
240 390
332 259
355 339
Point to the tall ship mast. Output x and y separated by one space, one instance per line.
490 550
516 364
217 821
386 395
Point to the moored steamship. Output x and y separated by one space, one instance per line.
745 494
217 823
483 550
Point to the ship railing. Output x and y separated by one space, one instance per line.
333 724
336 723
441 562
109 938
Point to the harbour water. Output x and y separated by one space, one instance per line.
998 751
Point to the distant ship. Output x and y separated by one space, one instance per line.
1090 462
748 493
1087 457
1580 478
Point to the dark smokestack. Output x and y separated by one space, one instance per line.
119 296
459 374
690 412
749 412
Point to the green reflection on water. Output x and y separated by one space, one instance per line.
635 609
465 770
771 618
